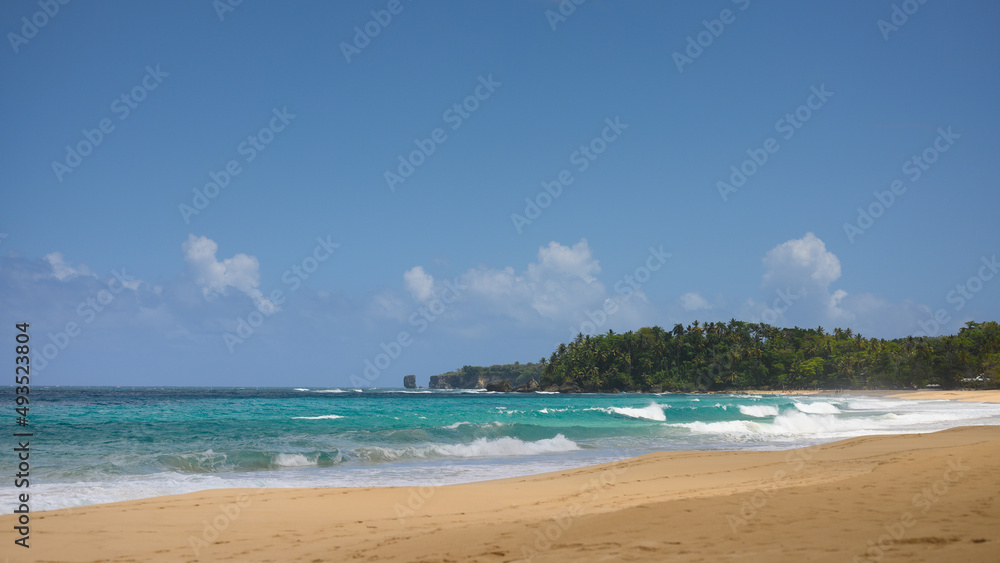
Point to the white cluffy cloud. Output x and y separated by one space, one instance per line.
63 271
805 259
241 272
559 286
693 301
804 267
798 285
419 283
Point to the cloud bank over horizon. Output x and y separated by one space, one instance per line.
556 293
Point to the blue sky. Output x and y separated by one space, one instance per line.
643 109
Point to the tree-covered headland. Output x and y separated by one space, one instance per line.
738 355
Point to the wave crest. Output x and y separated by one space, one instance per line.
759 411
651 412
817 408
481 447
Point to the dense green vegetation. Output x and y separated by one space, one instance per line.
740 355
517 373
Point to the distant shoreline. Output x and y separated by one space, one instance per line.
973 395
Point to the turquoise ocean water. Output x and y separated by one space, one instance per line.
95 445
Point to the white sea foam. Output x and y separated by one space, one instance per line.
506 446
329 391
651 412
817 408
63 495
439 471
798 424
300 389
481 447
723 427
759 411
292 460
874 404
321 417
793 424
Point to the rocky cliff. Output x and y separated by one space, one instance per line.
410 381
478 377
462 381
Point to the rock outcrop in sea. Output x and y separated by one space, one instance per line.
500 386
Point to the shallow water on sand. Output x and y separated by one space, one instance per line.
94 445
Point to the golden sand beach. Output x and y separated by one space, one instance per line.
921 497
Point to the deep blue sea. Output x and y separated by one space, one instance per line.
104 444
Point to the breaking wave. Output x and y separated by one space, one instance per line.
481 447
759 411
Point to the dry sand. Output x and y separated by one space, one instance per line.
924 497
